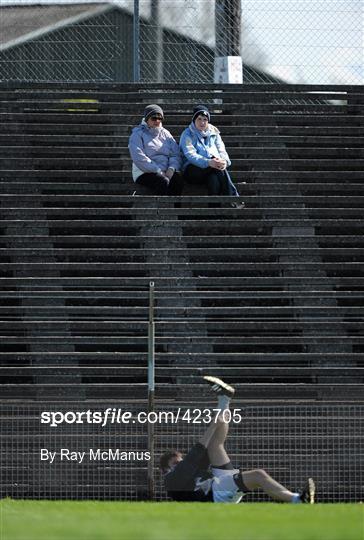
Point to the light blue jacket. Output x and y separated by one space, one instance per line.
153 150
199 147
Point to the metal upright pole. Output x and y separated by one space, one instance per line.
151 387
228 60
136 42
157 39
227 27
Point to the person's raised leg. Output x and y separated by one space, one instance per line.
210 433
216 447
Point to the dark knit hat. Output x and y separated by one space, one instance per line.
200 109
152 109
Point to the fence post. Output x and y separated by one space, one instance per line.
228 62
136 42
157 39
151 386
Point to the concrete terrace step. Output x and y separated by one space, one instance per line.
166 282
225 345
231 313
94 186
230 255
183 120
188 206
110 361
38 307
267 391
60 200
248 164
245 190
180 98
226 212
318 326
183 91
114 129
233 344
185 95
176 109
236 153
210 227
152 270
233 141
185 297
250 375
288 177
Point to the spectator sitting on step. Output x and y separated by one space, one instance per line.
205 159
155 154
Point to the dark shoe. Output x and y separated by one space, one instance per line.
307 495
237 205
219 387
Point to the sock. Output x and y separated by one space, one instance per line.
238 479
296 499
223 402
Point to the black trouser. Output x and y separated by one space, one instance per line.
217 181
182 477
161 185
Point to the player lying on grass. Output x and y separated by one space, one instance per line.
206 473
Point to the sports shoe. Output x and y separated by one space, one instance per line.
307 495
237 205
219 387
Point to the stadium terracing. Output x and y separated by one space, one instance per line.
270 297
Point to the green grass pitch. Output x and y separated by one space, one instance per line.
69 520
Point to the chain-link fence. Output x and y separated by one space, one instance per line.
84 460
294 41
65 42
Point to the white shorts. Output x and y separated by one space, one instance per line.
224 489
